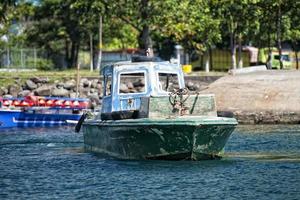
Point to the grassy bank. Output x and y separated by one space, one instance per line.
7 78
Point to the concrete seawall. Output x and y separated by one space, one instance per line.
259 98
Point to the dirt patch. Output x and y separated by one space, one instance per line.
261 97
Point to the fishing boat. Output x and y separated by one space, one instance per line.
36 111
147 113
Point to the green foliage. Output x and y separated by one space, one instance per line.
64 26
44 64
190 23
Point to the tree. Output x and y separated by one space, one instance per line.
238 19
138 14
6 9
6 14
274 25
293 33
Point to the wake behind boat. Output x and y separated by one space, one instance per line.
155 117
35 111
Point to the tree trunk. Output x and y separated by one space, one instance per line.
296 54
100 44
67 51
75 62
240 59
72 55
145 41
279 35
211 67
269 59
207 62
233 50
91 53
297 62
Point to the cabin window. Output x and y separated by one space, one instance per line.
132 83
168 82
107 82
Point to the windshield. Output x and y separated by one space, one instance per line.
168 82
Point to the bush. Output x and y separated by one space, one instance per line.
44 64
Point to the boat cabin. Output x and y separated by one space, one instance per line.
128 84
142 88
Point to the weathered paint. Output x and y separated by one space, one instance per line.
161 133
192 138
198 105
118 102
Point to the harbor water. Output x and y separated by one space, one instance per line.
261 162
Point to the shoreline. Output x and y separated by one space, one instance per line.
266 97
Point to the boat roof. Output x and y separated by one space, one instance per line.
138 64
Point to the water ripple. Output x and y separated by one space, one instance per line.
260 163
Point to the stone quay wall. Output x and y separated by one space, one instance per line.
89 87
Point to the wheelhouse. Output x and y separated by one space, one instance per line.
125 84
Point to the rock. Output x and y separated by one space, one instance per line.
60 92
14 90
60 85
93 90
130 85
84 92
3 91
39 80
87 83
94 83
44 90
72 95
25 93
83 80
94 98
139 83
29 84
123 88
134 90
69 85
140 89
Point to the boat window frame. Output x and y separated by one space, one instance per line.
145 72
105 81
166 72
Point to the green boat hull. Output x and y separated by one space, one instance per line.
181 138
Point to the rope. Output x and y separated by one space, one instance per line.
177 99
